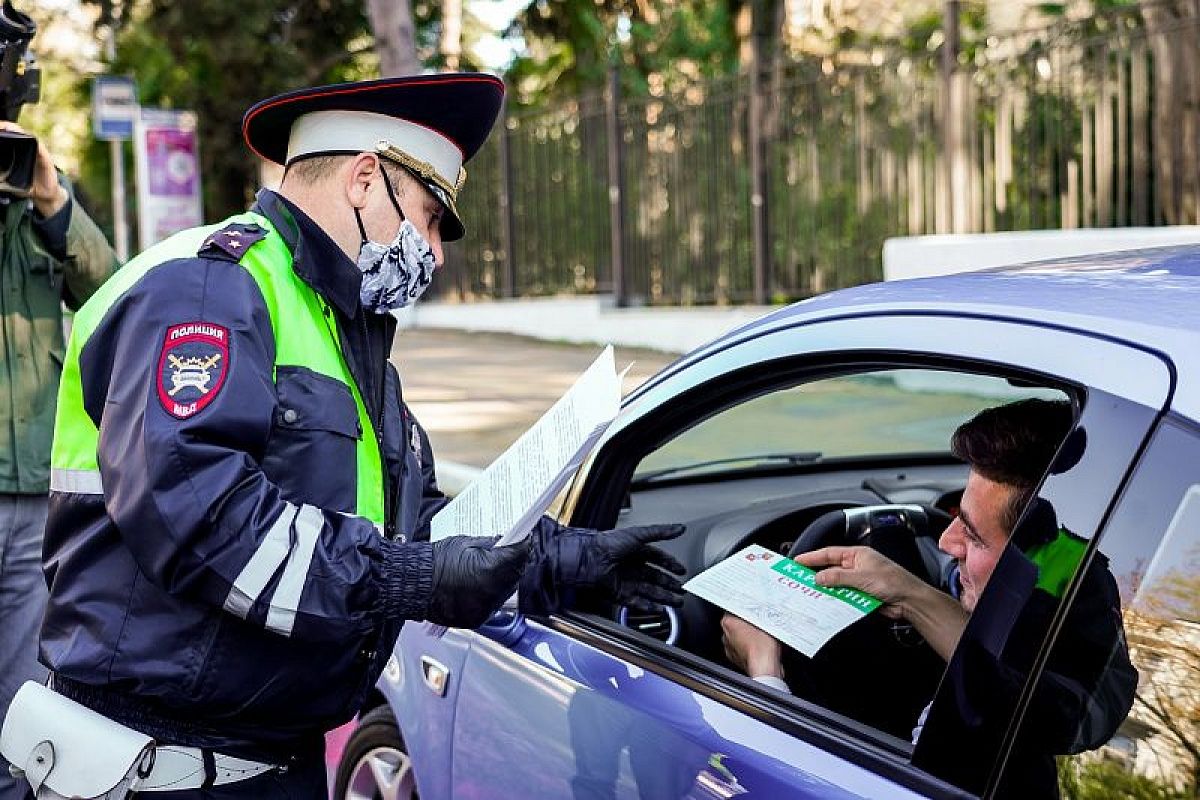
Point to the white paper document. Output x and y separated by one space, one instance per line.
781 597
507 499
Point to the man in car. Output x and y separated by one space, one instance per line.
1089 688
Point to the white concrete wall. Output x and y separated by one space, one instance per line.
585 320
943 254
596 320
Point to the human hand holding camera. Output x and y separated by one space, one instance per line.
47 194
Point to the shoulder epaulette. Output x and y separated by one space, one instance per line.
231 242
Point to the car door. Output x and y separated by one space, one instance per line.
579 707
562 712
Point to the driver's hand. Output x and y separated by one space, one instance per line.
867 570
752 650
47 194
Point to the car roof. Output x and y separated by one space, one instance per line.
1149 298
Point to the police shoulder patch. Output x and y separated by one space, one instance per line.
192 367
231 242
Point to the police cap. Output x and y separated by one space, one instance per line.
429 124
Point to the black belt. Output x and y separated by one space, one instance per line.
166 728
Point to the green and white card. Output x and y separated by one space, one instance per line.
781 597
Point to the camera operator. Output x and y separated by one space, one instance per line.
50 252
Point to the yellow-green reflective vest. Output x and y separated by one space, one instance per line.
305 336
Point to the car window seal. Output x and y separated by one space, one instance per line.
738 338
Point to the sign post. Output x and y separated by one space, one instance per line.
168 174
114 109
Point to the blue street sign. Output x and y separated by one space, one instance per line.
114 107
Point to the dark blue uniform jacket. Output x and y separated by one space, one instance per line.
136 625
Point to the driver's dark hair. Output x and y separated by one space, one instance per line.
1014 444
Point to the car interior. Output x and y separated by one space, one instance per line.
853 454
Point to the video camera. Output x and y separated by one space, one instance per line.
20 83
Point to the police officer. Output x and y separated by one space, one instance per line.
240 499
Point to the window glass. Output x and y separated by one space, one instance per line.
1152 548
882 413
1087 682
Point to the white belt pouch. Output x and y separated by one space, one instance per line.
66 750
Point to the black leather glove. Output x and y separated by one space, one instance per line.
621 563
471 579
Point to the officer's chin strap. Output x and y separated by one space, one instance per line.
362 230
387 184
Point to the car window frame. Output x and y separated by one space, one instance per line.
584 506
1000 342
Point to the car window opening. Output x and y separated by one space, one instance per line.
866 441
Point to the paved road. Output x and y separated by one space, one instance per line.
475 393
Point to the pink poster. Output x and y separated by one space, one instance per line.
172 158
168 174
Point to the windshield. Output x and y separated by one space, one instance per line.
875 414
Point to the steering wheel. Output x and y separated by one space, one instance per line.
878 671
904 533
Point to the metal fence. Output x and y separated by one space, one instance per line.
664 200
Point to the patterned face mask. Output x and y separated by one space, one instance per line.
396 274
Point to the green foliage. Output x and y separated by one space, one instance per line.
657 45
1048 140
217 58
1089 779
854 154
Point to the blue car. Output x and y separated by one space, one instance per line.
844 404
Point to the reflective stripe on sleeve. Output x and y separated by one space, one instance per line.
271 552
286 601
76 481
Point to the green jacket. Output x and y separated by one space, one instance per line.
34 283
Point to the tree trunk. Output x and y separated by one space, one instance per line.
1171 29
451 43
395 37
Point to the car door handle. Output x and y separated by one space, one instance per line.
436 675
